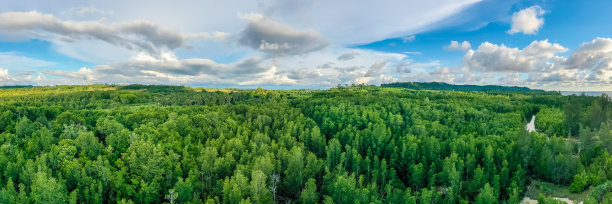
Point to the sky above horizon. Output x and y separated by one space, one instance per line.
315 44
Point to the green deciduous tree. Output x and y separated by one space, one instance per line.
47 190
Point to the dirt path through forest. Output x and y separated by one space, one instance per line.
530 127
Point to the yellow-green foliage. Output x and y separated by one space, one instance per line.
550 121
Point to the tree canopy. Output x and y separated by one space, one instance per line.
359 144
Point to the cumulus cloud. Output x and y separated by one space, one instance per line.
134 35
594 59
588 66
499 58
527 21
594 54
83 74
456 46
513 78
4 75
278 39
555 75
25 78
454 75
381 79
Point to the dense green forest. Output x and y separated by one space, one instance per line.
359 144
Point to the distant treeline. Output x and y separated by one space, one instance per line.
149 88
155 88
453 87
15 87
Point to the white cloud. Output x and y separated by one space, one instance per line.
83 74
428 75
152 59
454 75
499 58
587 67
133 35
167 68
325 69
268 77
594 54
317 70
512 78
26 78
553 75
4 75
291 39
443 74
594 59
465 76
407 65
279 39
527 21
381 79
375 69
456 46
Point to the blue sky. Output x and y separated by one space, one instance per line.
547 44
569 23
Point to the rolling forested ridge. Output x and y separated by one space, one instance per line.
359 144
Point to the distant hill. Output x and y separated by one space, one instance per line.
15 87
453 87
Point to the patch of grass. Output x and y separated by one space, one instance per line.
549 189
